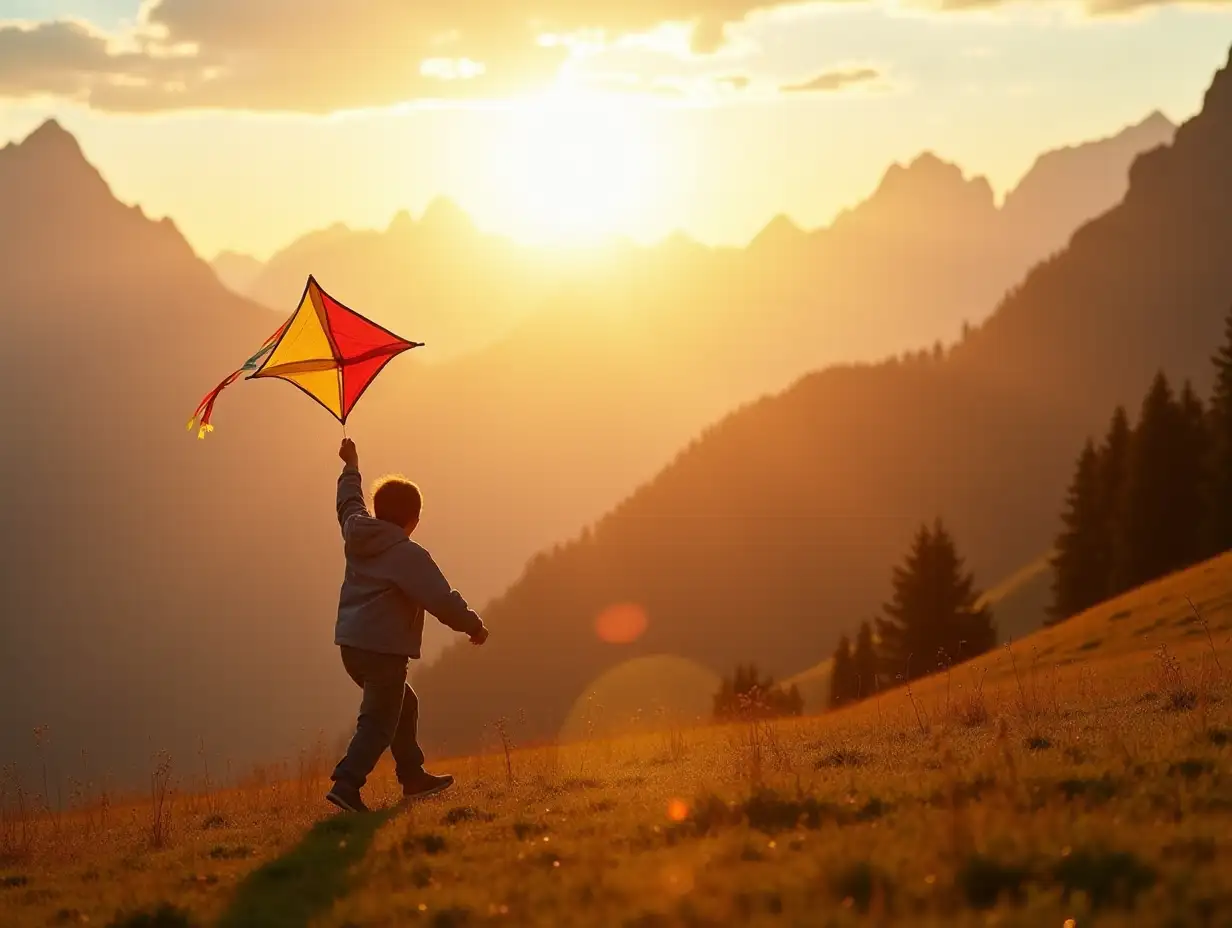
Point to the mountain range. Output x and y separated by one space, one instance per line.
610 361
462 289
790 512
187 588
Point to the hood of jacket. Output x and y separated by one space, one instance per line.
364 536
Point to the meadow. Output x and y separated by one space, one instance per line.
1080 776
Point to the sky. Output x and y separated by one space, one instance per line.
250 122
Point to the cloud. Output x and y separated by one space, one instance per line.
60 57
834 81
324 55
321 55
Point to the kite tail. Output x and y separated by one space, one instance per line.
205 409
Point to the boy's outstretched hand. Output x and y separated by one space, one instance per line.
480 636
347 452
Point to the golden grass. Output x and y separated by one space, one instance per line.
1084 773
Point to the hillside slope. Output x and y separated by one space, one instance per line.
790 512
1081 777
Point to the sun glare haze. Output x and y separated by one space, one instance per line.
574 166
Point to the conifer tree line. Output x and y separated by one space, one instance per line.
749 694
934 619
1150 498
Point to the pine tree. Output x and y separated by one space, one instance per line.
865 662
1113 467
747 694
1080 573
1192 480
1156 526
932 617
1219 497
842 675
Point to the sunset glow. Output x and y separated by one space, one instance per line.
575 166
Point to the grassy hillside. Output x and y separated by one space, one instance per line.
1083 774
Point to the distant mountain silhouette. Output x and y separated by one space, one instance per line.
777 528
156 588
53 199
236 271
781 235
1066 187
439 278
926 251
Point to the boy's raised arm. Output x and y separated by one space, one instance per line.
423 581
350 484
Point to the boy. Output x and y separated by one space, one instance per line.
390 581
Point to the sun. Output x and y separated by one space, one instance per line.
576 167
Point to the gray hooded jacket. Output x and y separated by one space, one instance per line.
390 581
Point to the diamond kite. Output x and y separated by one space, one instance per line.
327 350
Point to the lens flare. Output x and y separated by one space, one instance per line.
623 623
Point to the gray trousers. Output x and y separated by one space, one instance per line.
388 718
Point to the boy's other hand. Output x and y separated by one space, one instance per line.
480 636
348 453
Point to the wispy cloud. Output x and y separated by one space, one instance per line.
834 81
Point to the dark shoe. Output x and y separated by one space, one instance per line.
424 784
346 798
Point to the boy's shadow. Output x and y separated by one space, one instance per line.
290 891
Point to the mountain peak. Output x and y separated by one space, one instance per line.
51 136
401 223
930 170
48 186
445 217
50 160
1156 122
919 193
1199 152
51 149
780 231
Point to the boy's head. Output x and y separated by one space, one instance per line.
395 499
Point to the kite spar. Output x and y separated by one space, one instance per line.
326 349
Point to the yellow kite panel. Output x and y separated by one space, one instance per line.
325 386
305 340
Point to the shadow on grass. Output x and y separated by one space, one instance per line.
290 891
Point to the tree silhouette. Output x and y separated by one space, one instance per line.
842 675
932 615
747 694
1113 467
1192 479
865 662
1080 565
1159 521
1219 498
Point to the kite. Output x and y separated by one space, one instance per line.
327 350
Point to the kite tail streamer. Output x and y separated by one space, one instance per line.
205 409
201 417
